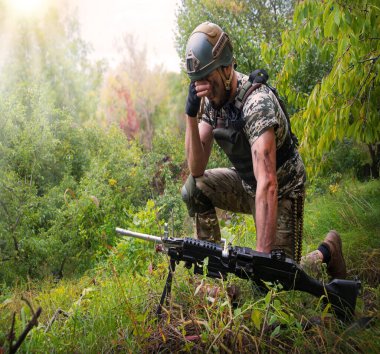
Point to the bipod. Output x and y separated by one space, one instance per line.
168 287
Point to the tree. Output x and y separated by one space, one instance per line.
118 105
343 102
49 51
139 98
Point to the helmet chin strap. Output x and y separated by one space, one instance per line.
226 81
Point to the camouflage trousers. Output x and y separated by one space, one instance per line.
223 188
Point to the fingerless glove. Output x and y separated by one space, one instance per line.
193 101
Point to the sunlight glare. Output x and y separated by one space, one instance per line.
26 7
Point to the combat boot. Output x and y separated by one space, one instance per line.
336 268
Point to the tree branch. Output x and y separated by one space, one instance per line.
33 322
11 334
366 78
55 316
374 60
4 207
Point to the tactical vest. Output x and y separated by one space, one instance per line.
235 144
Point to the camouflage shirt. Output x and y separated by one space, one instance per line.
260 112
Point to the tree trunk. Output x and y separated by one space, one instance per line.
374 150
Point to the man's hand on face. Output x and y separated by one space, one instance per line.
203 88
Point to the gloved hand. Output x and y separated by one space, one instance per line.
193 101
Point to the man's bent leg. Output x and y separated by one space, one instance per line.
221 188
201 207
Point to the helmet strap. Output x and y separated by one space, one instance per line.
226 81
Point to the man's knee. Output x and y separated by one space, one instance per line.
195 200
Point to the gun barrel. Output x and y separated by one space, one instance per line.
145 237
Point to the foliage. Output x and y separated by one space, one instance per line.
345 158
118 106
62 223
65 182
343 102
140 99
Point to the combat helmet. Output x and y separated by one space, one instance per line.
208 48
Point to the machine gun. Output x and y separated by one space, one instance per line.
247 263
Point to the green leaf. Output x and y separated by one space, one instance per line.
328 28
237 312
276 331
268 298
347 18
272 319
337 16
327 11
326 310
256 318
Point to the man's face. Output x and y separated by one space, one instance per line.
213 88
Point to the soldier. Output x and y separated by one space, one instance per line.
246 120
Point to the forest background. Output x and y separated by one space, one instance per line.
85 148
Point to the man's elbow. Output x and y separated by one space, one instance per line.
268 183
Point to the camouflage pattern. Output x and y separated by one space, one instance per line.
260 112
224 188
207 226
312 265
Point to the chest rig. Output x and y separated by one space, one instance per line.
229 135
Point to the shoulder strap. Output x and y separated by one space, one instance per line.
244 92
256 79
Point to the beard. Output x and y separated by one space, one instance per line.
218 105
224 97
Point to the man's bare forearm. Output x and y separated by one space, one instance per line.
264 163
266 215
196 155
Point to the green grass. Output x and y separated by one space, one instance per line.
354 211
112 308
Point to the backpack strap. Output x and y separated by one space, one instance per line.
244 92
256 79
